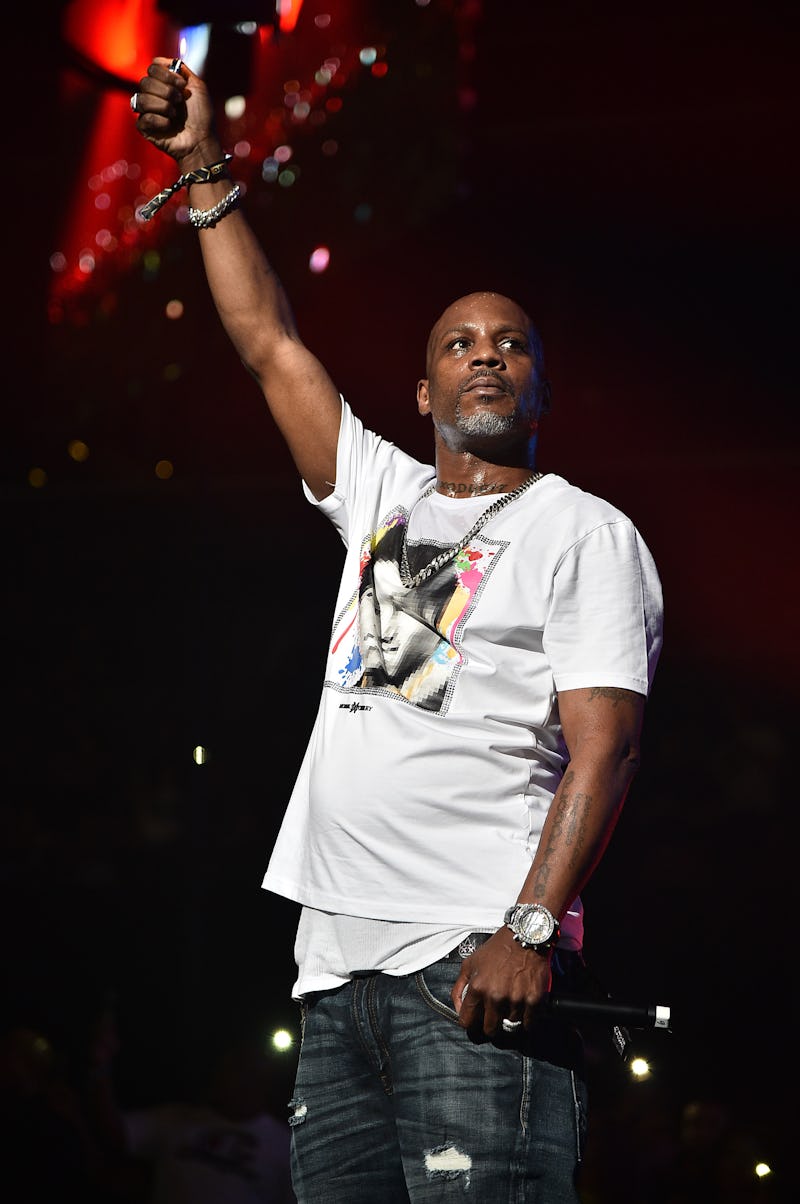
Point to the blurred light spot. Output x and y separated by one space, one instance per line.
248 28
37 477
318 117
199 755
164 470
323 77
301 110
151 260
640 1068
86 261
292 85
58 261
102 201
269 170
235 107
242 149
379 70
332 65
282 153
287 177
108 304
105 239
763 1169
172 372
322 20
362 212
368 55
333 104
330 146
174 309
291 99
319 259
422 3
77 450
282 1039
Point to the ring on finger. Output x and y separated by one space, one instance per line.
510 1026
134 102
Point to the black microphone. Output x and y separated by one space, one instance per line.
613 1011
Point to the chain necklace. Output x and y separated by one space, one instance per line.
410 581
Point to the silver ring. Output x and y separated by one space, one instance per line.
510 1025
176 65
134 102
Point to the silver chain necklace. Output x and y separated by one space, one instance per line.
450 553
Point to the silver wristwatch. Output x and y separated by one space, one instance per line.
533 926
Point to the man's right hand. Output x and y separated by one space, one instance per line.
176 114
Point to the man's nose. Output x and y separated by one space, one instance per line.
486 354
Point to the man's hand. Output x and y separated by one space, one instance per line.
176 114
500 981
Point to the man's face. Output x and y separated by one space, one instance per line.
482 372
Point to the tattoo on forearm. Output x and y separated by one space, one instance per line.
568 830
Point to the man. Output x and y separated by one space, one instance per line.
494 639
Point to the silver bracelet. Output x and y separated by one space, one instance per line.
201 219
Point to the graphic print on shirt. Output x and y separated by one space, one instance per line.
405 642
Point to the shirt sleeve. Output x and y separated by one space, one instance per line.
604 626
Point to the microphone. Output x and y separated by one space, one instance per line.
613 1011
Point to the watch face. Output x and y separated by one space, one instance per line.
535 926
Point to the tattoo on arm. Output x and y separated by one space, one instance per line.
569 827
612 694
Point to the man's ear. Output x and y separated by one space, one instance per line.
423 398
545 397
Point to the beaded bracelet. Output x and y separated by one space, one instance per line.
202 219
202 175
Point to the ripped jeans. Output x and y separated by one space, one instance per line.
394 1102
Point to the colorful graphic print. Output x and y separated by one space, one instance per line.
406 641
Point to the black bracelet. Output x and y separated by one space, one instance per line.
202 175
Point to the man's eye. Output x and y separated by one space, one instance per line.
516 344
458 344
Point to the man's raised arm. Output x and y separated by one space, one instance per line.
176 115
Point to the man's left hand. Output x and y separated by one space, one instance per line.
500 981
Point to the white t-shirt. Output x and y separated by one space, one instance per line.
437 745
201 1157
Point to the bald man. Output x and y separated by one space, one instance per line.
493 643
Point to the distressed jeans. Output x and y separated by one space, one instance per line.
394 1102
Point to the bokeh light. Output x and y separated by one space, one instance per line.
319 259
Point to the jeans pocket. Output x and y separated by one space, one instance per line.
435 983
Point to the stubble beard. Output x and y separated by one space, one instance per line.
486 423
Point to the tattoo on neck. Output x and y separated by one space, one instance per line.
454 489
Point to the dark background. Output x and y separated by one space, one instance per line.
629 173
